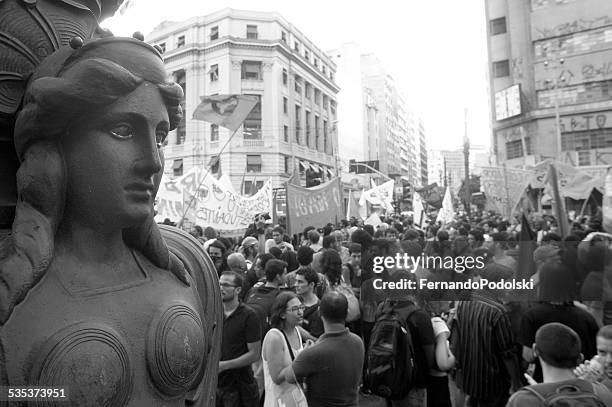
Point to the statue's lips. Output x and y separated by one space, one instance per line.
140 188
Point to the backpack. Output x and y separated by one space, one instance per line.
260 299
576 394
390 359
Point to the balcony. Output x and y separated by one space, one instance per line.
252 143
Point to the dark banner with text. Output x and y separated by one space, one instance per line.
315 206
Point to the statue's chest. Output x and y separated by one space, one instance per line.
122 345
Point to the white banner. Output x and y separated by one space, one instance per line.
212 203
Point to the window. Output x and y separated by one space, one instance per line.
162 45
332 107
325 135
331 75
325 101
501 69
324 70
252 124
316 63
317 132
252 32
286 133
317 96
214 33
251 187
285 105
215 164
180 41
514 149
284 77
251 70
498 26
214 73
298 84
214 132
177 167
307 128
307 55
584 158
284 37
296 46
181 132
298 123
253 163
308 90
287 164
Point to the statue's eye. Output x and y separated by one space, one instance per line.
160 137
122 131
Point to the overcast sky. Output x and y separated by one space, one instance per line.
435 50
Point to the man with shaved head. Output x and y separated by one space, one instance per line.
237 263
332 366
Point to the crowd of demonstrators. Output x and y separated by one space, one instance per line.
468 347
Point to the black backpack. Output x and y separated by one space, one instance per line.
576 394
260 299
390 359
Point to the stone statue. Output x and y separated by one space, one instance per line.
91 297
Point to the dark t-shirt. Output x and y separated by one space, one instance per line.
312 320
578 319
332 368
239 329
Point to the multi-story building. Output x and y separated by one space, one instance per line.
374 121
447 167
261 54
550 80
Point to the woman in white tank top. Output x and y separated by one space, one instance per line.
285 316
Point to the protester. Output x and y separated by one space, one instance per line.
331 367
282 344
306 280
240 347
483 342
557 347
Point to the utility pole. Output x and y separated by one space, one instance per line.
466 163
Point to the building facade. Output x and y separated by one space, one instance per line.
550 76
261 54
374 120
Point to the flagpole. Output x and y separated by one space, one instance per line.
203 178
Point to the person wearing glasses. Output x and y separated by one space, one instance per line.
240 347
281 344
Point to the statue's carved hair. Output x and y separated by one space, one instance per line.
51 105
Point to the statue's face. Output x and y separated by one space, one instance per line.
111 159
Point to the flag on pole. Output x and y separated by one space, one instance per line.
380 195
447 213
559 203
417 209
227 111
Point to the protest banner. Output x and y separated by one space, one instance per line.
503 187
575 183
214 204
314 206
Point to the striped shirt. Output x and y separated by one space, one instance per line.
482 338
